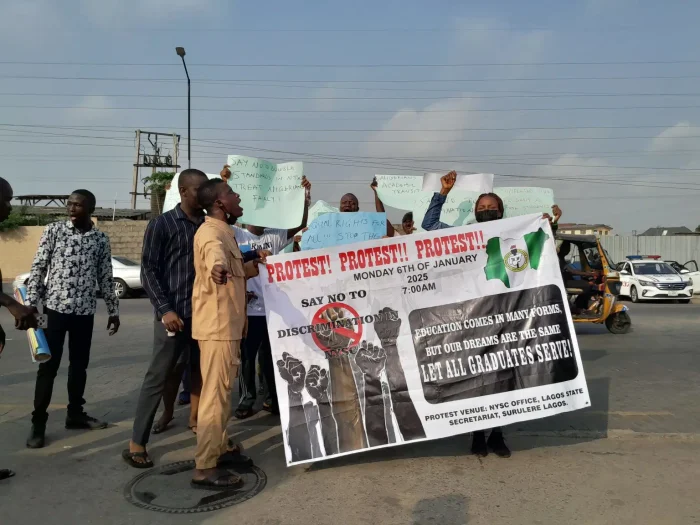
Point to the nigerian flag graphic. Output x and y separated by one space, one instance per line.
509 259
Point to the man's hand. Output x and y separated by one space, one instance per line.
371 359
25 316
374 185
556 211
448 182
387 328
225 173
317 383
305 183
173 323
293 372
219 274
263 255
113 324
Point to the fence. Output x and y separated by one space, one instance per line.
680 248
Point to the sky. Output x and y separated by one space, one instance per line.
597 99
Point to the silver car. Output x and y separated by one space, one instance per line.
127 277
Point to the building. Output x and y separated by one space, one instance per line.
661 231
584 229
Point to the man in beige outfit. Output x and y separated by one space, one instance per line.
219 323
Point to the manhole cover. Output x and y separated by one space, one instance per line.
167 489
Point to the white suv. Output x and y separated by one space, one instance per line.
650 279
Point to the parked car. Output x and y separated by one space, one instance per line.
653 279
127 277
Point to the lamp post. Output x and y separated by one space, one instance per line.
181 53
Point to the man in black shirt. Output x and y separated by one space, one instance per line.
167 274
24 316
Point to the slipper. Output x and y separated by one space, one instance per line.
243 413
267 407
6 473
129 456
219 481
159 427
234 456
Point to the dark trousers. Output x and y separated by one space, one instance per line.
79 330
256 343
168 352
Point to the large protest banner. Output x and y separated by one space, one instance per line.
441 333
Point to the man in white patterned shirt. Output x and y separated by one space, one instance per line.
72 257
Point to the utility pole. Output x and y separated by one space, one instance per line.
154 161
135 182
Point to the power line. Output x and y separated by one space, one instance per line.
266 97
351 66
354 81
480 110
517 128
451 160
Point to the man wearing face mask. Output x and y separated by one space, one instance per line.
219 323
488 207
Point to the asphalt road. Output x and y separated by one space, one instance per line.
631 458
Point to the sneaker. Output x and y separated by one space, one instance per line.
479 444
36 437
498 445
84 422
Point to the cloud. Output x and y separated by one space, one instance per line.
679 136
78 112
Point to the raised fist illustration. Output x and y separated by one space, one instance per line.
388 326
371 359
336 343
292 371
317 383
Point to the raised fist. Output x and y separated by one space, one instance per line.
371 359
292 371
317 383
336 343
388 326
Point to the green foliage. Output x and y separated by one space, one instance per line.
19 218
697 230
158 181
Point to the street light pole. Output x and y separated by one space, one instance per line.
181 53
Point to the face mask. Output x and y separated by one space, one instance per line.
486 215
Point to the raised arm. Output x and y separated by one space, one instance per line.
307 200
431 221
379 206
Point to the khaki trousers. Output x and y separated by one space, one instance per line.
219 361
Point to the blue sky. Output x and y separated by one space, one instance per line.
523 94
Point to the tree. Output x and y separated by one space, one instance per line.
157 184
697 230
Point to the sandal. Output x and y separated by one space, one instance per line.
218 481
267 407
193 429
6 473
234 456
159 427
129 456
243 413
